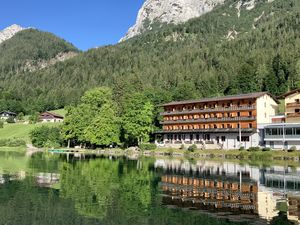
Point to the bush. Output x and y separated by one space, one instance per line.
254 149
182 147
292 149
147 146
46 137
266 149
242 149
1 124
10 120
12 142
192 148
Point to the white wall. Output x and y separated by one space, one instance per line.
266 108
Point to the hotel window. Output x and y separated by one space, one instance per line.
250 125
297 110
289 131
297 131
297 100
223 138
250 114
244 138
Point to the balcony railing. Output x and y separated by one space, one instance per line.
210 130
294 104
293 115
281 137
207 120
208 110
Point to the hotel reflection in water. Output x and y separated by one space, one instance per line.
228 190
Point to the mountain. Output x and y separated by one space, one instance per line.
9 32
31 49
157 12
238 47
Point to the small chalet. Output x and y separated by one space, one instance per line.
4 115
48 117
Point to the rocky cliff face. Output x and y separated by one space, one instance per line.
9 32
169 11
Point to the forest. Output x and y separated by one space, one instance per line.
173 62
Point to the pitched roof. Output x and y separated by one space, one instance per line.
288 93
8 112
223 98
51 114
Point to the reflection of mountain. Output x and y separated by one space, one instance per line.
240 192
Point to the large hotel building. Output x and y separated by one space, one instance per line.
228 122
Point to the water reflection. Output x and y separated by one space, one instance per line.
55 189
229 190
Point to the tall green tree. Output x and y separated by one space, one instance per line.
137 119
104 130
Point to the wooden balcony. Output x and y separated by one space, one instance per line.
293 105
293 115
209 110
209 120
210 130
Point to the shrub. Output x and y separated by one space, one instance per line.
292 149
192 148
34 118
1 124
12 142
182 147
46 137
254 149
10 120
266 149
147 146
242 148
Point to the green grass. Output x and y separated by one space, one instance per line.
20 131
20 149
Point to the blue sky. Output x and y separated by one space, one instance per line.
85 23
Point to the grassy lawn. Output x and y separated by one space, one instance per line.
20 149
20 131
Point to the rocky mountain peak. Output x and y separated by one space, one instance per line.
169 11
9 32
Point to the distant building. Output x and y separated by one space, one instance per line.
292 106
4 115
48 117
215 123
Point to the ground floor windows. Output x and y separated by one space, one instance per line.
244 138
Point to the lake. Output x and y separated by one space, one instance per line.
52 189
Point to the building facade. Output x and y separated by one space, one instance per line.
292 106
48 117
4 115
228 122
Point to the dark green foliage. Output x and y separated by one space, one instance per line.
11 120
1 124
147 146
266 149
34 118
192 148
253 149
190 60
46 137
12 142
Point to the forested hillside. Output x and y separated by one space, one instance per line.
219 53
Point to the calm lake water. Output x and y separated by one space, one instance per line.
56 190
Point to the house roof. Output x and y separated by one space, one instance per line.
289 93
54 115
223 98
8 112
